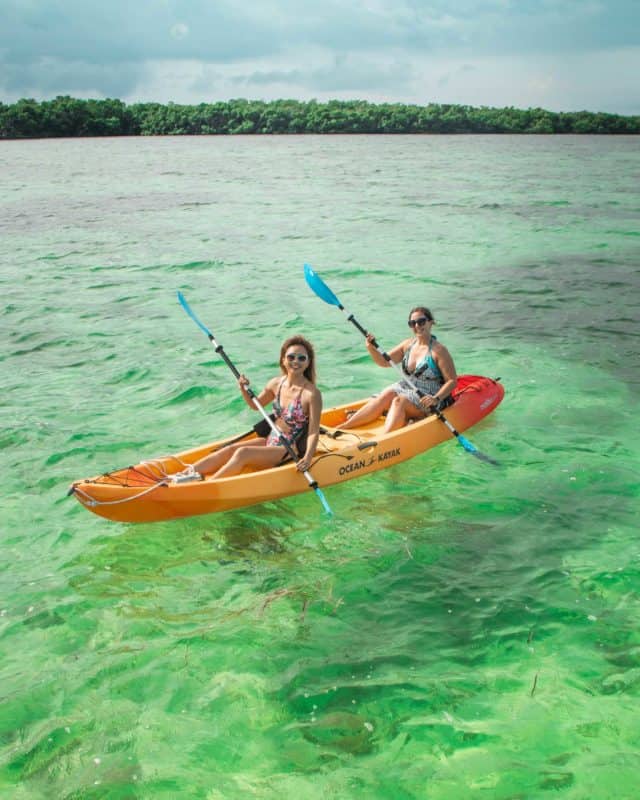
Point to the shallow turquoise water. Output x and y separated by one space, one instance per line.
456 631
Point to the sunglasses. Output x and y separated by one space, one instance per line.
420 321
296 357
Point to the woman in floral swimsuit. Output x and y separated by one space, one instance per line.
297 405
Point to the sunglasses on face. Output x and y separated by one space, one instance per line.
296 357
419 321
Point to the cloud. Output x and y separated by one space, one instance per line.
49 77
120 31
343 73
179 30
450 78
553 82
489 52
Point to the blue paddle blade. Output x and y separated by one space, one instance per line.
323 500
471 448
187 308
317 285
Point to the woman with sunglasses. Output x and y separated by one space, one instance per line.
429 365
297 405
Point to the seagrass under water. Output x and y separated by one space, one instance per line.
457 630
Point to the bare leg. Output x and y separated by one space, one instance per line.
401 411
251 455
371 410
213 462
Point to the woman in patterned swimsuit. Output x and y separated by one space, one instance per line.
429 365
297 405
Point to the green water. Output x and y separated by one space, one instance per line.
457 630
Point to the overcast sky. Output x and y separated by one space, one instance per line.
558 54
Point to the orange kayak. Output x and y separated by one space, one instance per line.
144 493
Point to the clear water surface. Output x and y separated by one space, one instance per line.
457 630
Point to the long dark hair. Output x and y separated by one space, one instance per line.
310 371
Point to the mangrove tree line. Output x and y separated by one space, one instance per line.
68 116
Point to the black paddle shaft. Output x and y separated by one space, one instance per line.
283 440
220 351
365 333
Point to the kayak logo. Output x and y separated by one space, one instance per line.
489 401
389 454
356 466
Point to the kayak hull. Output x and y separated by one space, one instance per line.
142 493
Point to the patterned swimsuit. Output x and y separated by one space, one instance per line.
425 375
293 416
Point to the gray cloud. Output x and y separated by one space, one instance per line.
49 77
120 31
405 50
230 30
344 74
459 72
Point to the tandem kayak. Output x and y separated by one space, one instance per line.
144 493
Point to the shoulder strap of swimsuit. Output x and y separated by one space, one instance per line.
276 402
428 360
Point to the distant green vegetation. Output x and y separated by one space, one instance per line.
66 116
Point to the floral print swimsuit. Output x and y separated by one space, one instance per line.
293 416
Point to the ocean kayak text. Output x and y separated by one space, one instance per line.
358 465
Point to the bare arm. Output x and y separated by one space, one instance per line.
395 354
448 371
265 396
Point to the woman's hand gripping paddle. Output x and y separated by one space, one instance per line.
317 285
283 441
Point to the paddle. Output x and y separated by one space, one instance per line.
317 285
283 440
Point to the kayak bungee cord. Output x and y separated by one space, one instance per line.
319 287
87 500
313 484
